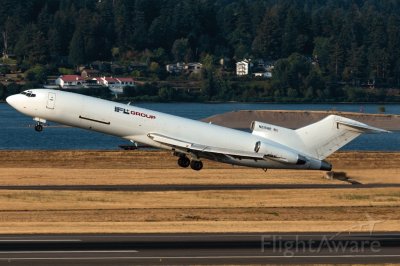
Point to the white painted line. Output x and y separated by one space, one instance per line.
68 251
39 240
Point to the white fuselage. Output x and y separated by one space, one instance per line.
135 123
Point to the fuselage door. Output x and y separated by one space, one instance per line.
51 100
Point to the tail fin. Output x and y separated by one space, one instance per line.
330 134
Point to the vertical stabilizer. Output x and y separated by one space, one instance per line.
330 134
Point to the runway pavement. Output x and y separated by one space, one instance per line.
197 187
186 249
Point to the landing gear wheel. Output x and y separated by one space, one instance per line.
39 127
196 165
183 161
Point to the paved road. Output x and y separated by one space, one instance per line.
196 187
185 249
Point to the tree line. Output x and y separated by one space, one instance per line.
321 48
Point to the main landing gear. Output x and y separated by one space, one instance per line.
39 127
196 165
184 162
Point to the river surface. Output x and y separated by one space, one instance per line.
17 131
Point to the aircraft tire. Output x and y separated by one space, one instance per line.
183 161
38 127
196 165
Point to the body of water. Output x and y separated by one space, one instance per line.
17 131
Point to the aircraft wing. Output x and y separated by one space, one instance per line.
190 147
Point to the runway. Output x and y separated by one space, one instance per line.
197 187
185 249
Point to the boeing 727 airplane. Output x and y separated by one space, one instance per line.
267 146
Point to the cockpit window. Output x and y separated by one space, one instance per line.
28 94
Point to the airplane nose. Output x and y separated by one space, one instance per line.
14 101
11 100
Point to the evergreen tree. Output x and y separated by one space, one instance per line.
350 41
393 33
31 46
268 42
77 49
181 50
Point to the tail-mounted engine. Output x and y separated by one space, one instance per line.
274 152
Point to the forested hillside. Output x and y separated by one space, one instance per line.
322 49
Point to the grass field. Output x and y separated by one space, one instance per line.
291 209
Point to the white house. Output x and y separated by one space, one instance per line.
109 81
184 67
266 74
193 67
258 68
243 67
175 68
116 85
70 81
126 81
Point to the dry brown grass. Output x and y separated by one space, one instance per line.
62 176
77 200
29 211
195 227
163 160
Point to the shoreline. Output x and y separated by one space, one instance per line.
295 118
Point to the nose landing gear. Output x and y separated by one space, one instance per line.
39 127
39 123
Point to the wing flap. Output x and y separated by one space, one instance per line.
173 142
169 141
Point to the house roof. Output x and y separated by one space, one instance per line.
70 78
125 79
109 79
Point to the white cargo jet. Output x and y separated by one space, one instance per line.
267 146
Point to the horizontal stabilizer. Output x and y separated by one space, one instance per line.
362 127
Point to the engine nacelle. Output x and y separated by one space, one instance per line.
279 154
260 126
270 131
275 152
